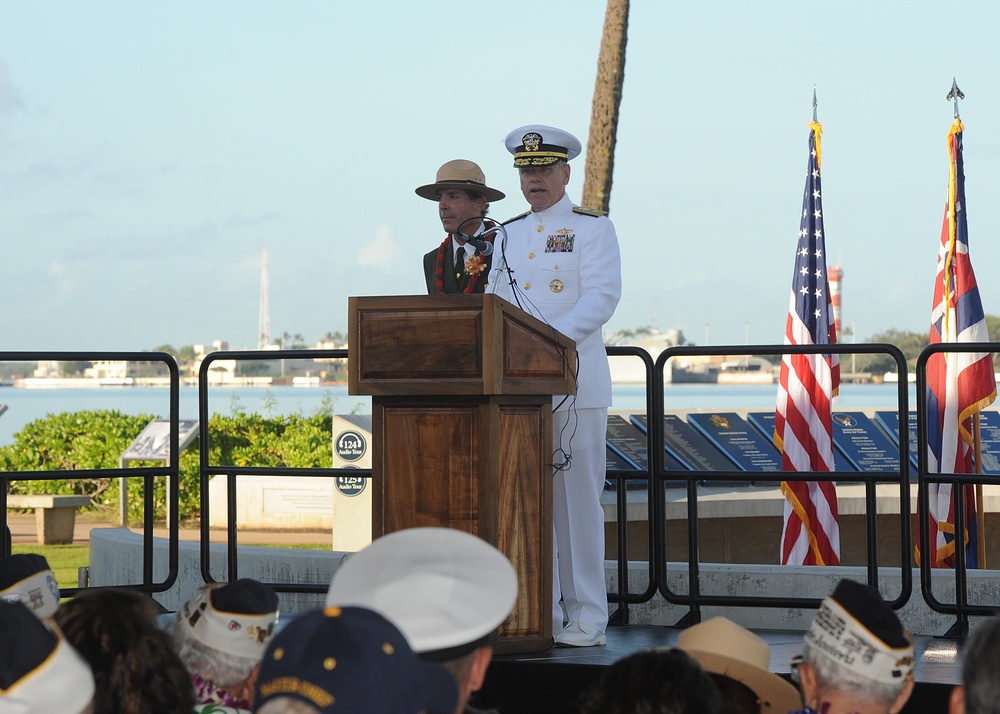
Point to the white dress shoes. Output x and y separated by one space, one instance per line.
577 634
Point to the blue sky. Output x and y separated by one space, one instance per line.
150 152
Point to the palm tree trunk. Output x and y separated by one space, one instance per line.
604 115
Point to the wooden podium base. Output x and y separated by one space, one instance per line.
435 464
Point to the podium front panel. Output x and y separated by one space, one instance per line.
482 465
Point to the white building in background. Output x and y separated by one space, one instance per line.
222 370
46 368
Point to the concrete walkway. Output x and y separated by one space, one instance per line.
23 531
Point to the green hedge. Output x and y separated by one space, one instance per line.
96 439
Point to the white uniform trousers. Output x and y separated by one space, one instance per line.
578 519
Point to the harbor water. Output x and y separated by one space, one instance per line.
27 405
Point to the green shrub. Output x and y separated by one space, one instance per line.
77 441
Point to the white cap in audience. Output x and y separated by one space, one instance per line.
446 590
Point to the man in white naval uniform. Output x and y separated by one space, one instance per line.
562 264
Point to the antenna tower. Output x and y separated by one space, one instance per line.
264 315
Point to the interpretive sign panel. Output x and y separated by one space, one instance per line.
616 462
687 447
738 440
153 442
889 421
989 440
626 451
764 423
863 444
989 436
627 442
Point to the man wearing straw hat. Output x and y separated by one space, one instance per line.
461 263
739 663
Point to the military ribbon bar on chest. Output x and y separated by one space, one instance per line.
560 242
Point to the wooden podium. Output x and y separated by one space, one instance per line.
462 391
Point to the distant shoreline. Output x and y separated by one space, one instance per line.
145 382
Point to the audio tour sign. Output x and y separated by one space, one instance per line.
351 446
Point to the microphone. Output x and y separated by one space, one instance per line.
483 246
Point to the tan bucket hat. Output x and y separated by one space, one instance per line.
463 174
723 647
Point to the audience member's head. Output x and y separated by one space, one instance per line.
659 681
858 657
135 667
446 590
739 663
351 660
221 634
40 673
28 578
980 690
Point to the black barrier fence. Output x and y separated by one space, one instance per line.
170 470
962 608
694 599
656 476
230 471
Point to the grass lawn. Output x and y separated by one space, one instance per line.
64 560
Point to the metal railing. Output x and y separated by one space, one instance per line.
623 597
230 471
695 599
171 470
961 608
656 475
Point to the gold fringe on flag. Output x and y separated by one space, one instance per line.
817 130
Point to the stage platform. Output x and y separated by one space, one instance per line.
551 682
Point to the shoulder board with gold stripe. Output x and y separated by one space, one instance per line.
516 218
593 212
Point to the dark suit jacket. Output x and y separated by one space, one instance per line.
452 285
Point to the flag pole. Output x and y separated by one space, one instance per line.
954 94
980 506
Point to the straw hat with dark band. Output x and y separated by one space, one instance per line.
459 174
723 647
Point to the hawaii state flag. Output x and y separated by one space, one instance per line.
959 384
808 383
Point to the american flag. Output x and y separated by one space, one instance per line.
959 384
803 429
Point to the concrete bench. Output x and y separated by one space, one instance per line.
55 516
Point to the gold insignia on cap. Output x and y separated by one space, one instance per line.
279 652
531 141
556 286
388 648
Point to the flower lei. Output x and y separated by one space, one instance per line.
474 266
207 693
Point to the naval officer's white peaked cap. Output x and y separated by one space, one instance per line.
539 145
443 588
